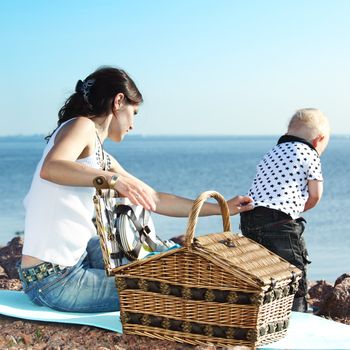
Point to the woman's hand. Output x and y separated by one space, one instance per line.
240 204
136 191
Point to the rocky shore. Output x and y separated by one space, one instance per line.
326 299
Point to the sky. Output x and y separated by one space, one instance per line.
204 67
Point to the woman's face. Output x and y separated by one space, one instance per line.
122 122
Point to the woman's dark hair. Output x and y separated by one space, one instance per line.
95 95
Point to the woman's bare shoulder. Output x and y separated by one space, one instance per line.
83 122
79 126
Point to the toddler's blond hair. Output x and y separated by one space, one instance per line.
308 123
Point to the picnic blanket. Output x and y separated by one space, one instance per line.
305 331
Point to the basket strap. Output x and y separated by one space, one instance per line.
194 213
154 245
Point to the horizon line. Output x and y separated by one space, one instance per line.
35 135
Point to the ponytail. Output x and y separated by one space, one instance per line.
95 95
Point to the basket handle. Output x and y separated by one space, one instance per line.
196 207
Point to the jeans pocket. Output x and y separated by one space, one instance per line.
304 252
49 289
299 229
298 253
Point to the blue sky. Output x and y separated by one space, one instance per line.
204 67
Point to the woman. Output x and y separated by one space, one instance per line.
62 265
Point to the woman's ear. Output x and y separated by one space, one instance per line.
118 101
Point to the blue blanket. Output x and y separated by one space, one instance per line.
305 331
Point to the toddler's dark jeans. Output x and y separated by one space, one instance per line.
282 235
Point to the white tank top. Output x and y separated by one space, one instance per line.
58 219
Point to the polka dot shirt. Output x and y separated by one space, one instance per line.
282 175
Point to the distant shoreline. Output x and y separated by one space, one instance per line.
33 137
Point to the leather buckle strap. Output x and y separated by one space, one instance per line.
39 272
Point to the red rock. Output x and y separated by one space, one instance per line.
337 303
27 339
341 278
318 293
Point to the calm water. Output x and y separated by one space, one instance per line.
189 165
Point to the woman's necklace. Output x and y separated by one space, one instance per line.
100 154
102 158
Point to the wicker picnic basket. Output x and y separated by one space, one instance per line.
220 288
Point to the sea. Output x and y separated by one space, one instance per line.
189 165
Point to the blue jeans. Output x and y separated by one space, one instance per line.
84 287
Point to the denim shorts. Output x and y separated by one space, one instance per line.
84 287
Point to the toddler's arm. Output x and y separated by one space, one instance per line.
315 193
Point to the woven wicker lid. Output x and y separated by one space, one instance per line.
254 261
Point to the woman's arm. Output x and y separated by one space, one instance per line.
172 205
77 139
176 206
315 188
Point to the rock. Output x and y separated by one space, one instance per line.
27 339
3 274
10 255
341 278
10 284
318 293
337 303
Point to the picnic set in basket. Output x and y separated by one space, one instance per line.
221 288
